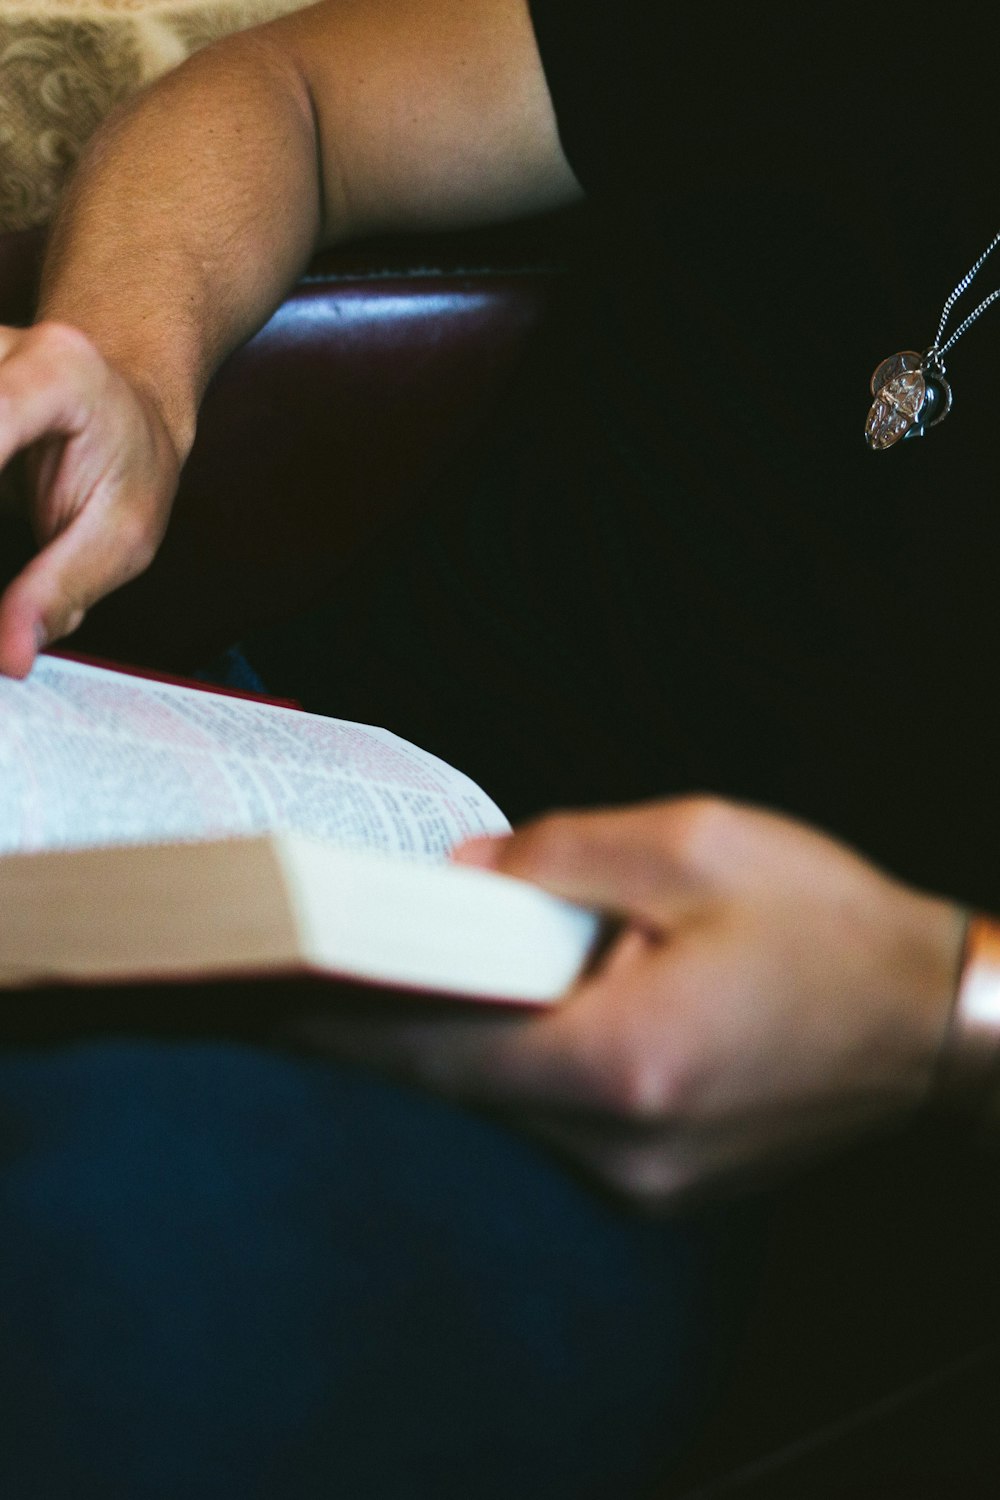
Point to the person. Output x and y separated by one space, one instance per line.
740 645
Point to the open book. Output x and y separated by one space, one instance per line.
150 830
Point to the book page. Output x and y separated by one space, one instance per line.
90 756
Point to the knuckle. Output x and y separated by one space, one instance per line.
702 827
62 617
636 1090
61 341
71 620
646 1088
137 541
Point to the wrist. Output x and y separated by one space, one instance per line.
174 422
969 1059
158 360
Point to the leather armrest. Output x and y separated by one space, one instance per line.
341 412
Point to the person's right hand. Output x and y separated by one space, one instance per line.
101 470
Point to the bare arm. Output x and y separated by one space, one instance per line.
198 207
195 209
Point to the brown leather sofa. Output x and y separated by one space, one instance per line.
871 1364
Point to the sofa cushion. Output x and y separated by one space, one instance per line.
65 63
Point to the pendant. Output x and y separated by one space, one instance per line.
911 396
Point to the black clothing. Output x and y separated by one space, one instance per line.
678 567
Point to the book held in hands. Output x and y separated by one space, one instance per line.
153 830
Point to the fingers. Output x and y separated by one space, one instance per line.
570 1057
482 1056
50 598
43 378
645 862
483 853
50 377
104 472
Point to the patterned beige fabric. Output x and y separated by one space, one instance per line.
65 63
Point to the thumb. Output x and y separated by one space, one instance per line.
22 634
634 862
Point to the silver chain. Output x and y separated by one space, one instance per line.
937 349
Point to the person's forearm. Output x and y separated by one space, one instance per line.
191 213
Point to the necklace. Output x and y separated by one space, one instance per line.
911 393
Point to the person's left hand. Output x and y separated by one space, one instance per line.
101 466
769 993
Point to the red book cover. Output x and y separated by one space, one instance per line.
172 679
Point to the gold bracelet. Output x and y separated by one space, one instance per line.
970 1052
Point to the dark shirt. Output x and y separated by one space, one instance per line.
678 567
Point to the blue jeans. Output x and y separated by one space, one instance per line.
230 1271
